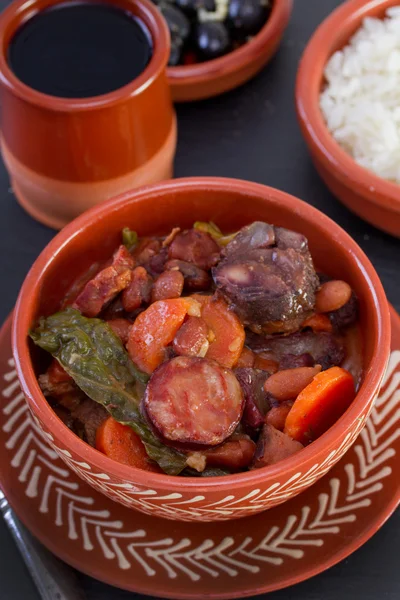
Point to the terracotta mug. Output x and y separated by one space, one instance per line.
66 155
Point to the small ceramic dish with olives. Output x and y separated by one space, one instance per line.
216 45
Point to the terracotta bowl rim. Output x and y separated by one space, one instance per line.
161 48
316 452
335 159
182 75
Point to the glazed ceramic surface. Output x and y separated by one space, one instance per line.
213 77
272 550
65 155
369 196
230 204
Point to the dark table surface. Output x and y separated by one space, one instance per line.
250 133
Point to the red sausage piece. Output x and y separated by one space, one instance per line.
196 247
106 285
194 401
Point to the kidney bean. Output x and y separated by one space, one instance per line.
138 291
146 250
277 415
192 338
286 385
156 264
196 279
332 295
121 327
168 285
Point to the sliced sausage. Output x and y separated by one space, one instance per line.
251 237
192 338
269 284
273 446
139 290
193 402
104 287
325 348
195 247
168 285
196 279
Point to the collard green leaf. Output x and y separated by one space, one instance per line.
129 238
95 358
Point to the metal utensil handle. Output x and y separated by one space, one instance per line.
53 579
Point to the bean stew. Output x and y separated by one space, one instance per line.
201 353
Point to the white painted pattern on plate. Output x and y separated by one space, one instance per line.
308 528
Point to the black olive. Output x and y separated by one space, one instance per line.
247 17
208 5
189 7
178 23
211 40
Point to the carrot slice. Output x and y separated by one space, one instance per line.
121 443
228 343
320 404
246 359
318 322
155 328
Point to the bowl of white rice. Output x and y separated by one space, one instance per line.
348 104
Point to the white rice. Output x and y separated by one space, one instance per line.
361 100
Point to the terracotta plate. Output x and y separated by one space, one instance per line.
271 550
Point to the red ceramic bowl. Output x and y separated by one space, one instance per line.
207 79
369 196
231 204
